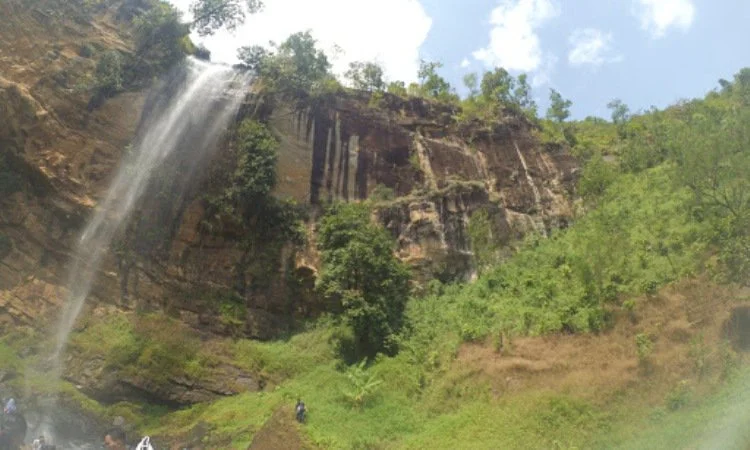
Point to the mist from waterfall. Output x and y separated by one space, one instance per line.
185 116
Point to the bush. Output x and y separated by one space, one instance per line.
679 396
382 193
644 346
363 385
109 73
598 175
87 50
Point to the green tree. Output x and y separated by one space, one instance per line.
211 15
559 109
521 95
397 88
361 273
366 76
253 57
109 73
620 111
160 41
497 86
597 176
293 68
471 81
255 174
432 84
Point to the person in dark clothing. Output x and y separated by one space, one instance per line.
300 411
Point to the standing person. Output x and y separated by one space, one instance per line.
300 410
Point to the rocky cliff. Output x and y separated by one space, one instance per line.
426 174
433 172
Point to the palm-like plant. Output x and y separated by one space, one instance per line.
363 384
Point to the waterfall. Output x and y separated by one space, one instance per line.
185 116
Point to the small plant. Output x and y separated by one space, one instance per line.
629 306
699 354
382 193
679 396
728 360
87 51
362 385
644 347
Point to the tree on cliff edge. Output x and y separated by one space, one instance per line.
211 15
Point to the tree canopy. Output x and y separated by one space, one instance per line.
211 15
366 76
559 109
361 273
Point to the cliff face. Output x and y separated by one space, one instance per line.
429 176
438 174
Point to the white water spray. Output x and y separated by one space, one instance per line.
198 100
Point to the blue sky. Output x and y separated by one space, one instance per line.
646 52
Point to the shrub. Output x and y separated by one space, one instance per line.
382 193
87 50
363 385
679 396
644 346
109 73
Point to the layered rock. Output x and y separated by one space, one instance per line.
438 172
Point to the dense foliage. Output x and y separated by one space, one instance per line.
255 172
361 273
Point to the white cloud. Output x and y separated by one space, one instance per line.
514 43
543 75
657 16
388 31
591 46
465 63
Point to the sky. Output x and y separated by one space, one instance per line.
644 52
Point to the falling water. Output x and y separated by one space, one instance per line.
185 116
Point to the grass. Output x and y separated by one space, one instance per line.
717 420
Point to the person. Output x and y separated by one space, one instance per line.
114 439
38 443
300 410
12 427
10 406
145 444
